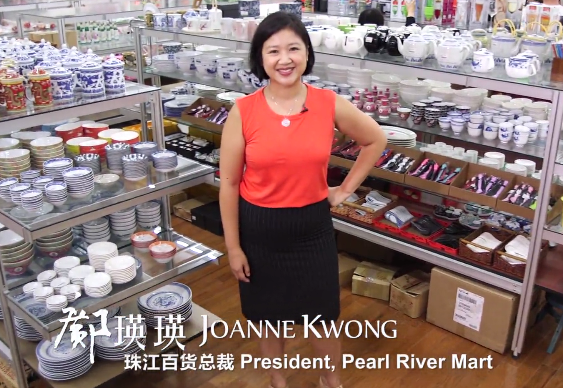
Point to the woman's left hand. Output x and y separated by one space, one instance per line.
337 195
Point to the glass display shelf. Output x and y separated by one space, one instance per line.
103 200
539 86
134 94
191 256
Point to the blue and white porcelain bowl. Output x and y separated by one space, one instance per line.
206 65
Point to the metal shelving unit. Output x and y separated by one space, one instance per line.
539 87
191 255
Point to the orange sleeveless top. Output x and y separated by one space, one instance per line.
286 166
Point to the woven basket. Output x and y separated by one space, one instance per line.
485 258
516 270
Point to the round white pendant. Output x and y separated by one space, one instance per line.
285 122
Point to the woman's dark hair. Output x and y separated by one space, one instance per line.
271 25
371 16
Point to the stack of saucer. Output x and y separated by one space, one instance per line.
64 360
32 199
28 288
55 167
96 230
56 302
121 269
5 185
123 223
148 215
29 176
112 348
97 285
114 155
135 166
16 191
41 182
99 253
165 161
146 148
63 265
71 292
89 160
36 309
58 283
78 273
79 181
46 277
56 192
173 299
40 294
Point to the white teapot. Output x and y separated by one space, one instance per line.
353 43
434 40
537 44
415 49
332 39
520 67
504 44
483 61
473 43
451 53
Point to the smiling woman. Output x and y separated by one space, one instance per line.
274 197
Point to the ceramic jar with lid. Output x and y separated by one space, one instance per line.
73 64
47 65
114 76
92 79
40 84
3 71
24 63
14 91
62 81
91 57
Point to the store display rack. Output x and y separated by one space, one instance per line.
546 152
191 255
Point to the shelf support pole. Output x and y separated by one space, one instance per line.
140 78
551 148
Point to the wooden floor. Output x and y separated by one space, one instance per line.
216 290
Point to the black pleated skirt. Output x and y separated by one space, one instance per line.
293 263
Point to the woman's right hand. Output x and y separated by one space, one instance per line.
239 265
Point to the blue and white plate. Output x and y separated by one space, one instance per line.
173 299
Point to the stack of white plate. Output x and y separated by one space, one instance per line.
338 74
28 288
229 97
16 191
63 361
56 244
148 215
135 166
56 192
123 223
40 294
46 277
71 292
165 161
116 346
359 78
41 182
413 90
55 167
99 253
206 91
77 274
29 176
96 230
32 199
399 136
79 181
97 285
39 311
173 299
56 302
5 185
121 269
58 283
46 148
386 81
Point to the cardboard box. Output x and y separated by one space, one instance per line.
472 310
176 199
346 267
184 209
373 280
409 293
472 170
201 122
515 209
434 187
364 249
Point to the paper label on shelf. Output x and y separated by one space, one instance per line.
468 309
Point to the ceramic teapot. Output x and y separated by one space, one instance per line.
415 49
520 67
434 41
392 45
482 36
473 43
374 41
451 53
352 43
537 44
504 44
483 61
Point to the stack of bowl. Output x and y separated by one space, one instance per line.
127 137
63 265
123 223
15 252
14 162
29 176
96 231
385 81
338 74
73 145
26 137
162 63
206 65
412 90
228 68
56 193
185 61
79 181
473 98
55 167
44 149
79 273
56 244
142 240
163 251
9 144
358 78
